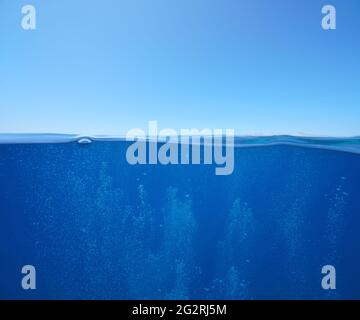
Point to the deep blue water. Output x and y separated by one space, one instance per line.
96 227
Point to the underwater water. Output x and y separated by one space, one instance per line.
96 227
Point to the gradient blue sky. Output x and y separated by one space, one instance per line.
103 67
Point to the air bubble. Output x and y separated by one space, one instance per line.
84 141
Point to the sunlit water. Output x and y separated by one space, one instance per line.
96 227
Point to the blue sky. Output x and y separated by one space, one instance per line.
104 67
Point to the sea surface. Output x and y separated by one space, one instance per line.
96 227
